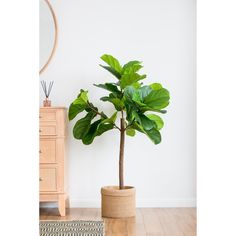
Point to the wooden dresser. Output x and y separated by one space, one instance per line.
52 156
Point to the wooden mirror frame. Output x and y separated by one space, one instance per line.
55 37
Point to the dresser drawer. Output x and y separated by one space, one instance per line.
47 151
47 130
48 179
49 115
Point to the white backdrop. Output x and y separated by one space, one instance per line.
161 33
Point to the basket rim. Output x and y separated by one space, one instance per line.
116 192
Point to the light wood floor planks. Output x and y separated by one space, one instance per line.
148 221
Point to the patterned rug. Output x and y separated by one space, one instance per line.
71 228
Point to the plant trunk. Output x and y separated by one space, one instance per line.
121 159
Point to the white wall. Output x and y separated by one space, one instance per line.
161 33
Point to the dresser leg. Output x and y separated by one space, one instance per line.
67 202
62 204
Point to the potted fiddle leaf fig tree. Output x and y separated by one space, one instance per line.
137 105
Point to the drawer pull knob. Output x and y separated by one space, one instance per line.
40 117
40 179
40 151
40 131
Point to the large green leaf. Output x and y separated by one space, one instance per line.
129 79
102 128
109 86
130 132
134 100
129 108
154 135
137 95
112 62
131 67
91 107
82 126
136 117
83 96
118 103
147 123
137 85
98 128
131 99
112 71
137 127
155 86
90 135
157 99
130 64
157 119
106 124
74 110
105 99
78 105
128 93
110 120
144 91
146 108
143 120
113 117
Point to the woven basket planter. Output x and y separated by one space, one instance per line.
118 203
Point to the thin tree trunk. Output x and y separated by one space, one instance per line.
121 159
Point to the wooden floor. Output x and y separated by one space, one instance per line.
148 221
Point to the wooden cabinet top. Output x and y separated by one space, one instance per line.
48 108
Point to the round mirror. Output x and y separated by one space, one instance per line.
47 34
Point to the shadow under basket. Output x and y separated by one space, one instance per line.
118 203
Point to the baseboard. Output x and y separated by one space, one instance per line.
92 203
166 202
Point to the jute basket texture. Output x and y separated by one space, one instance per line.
118 203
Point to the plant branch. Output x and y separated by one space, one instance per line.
116 127
102 115
97 112
121 156
122 115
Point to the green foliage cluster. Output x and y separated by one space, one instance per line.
129 96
